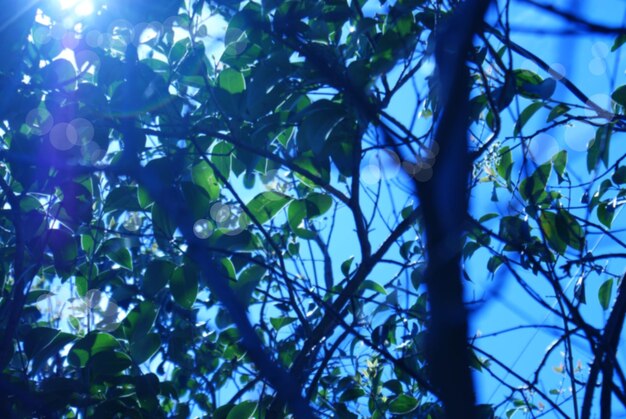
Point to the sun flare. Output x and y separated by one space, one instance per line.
81 7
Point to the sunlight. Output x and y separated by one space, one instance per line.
81 7
66 4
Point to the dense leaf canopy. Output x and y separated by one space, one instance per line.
240 210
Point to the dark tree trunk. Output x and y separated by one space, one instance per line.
443 199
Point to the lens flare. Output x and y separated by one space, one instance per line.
81 7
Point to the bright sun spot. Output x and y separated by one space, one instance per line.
81 7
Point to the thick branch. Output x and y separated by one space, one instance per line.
444 203
605 357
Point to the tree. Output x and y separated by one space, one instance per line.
230 209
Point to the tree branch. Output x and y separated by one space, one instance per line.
605 357
444 201
170 200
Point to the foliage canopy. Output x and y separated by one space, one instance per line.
210 208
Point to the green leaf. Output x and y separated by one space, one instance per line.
296 213
266 205
143 198
619 41
559 162
243 241
34 225
38 296
475 362
374 286
116 249
469 249
38 338
393 385
604 293
314 168
505 164
81 285
417 277
139 320
74 322
244 410
226 267
221 156
494 263
316 123
619 95
61 74
193 64
527 76
197 200
247 283
317 204
403 404
122 198
533 188
157 276
178 51
548 223
42 354
525 115
599 148
86 243
352 393
514 230
107 363
163 225
346 264
91 344
231 80
64 251
569 229
532 86
557 111
341 147
243 43
606 212
280 322
477 104
184 285
596 197
203 176
619 176
142 348
312 206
